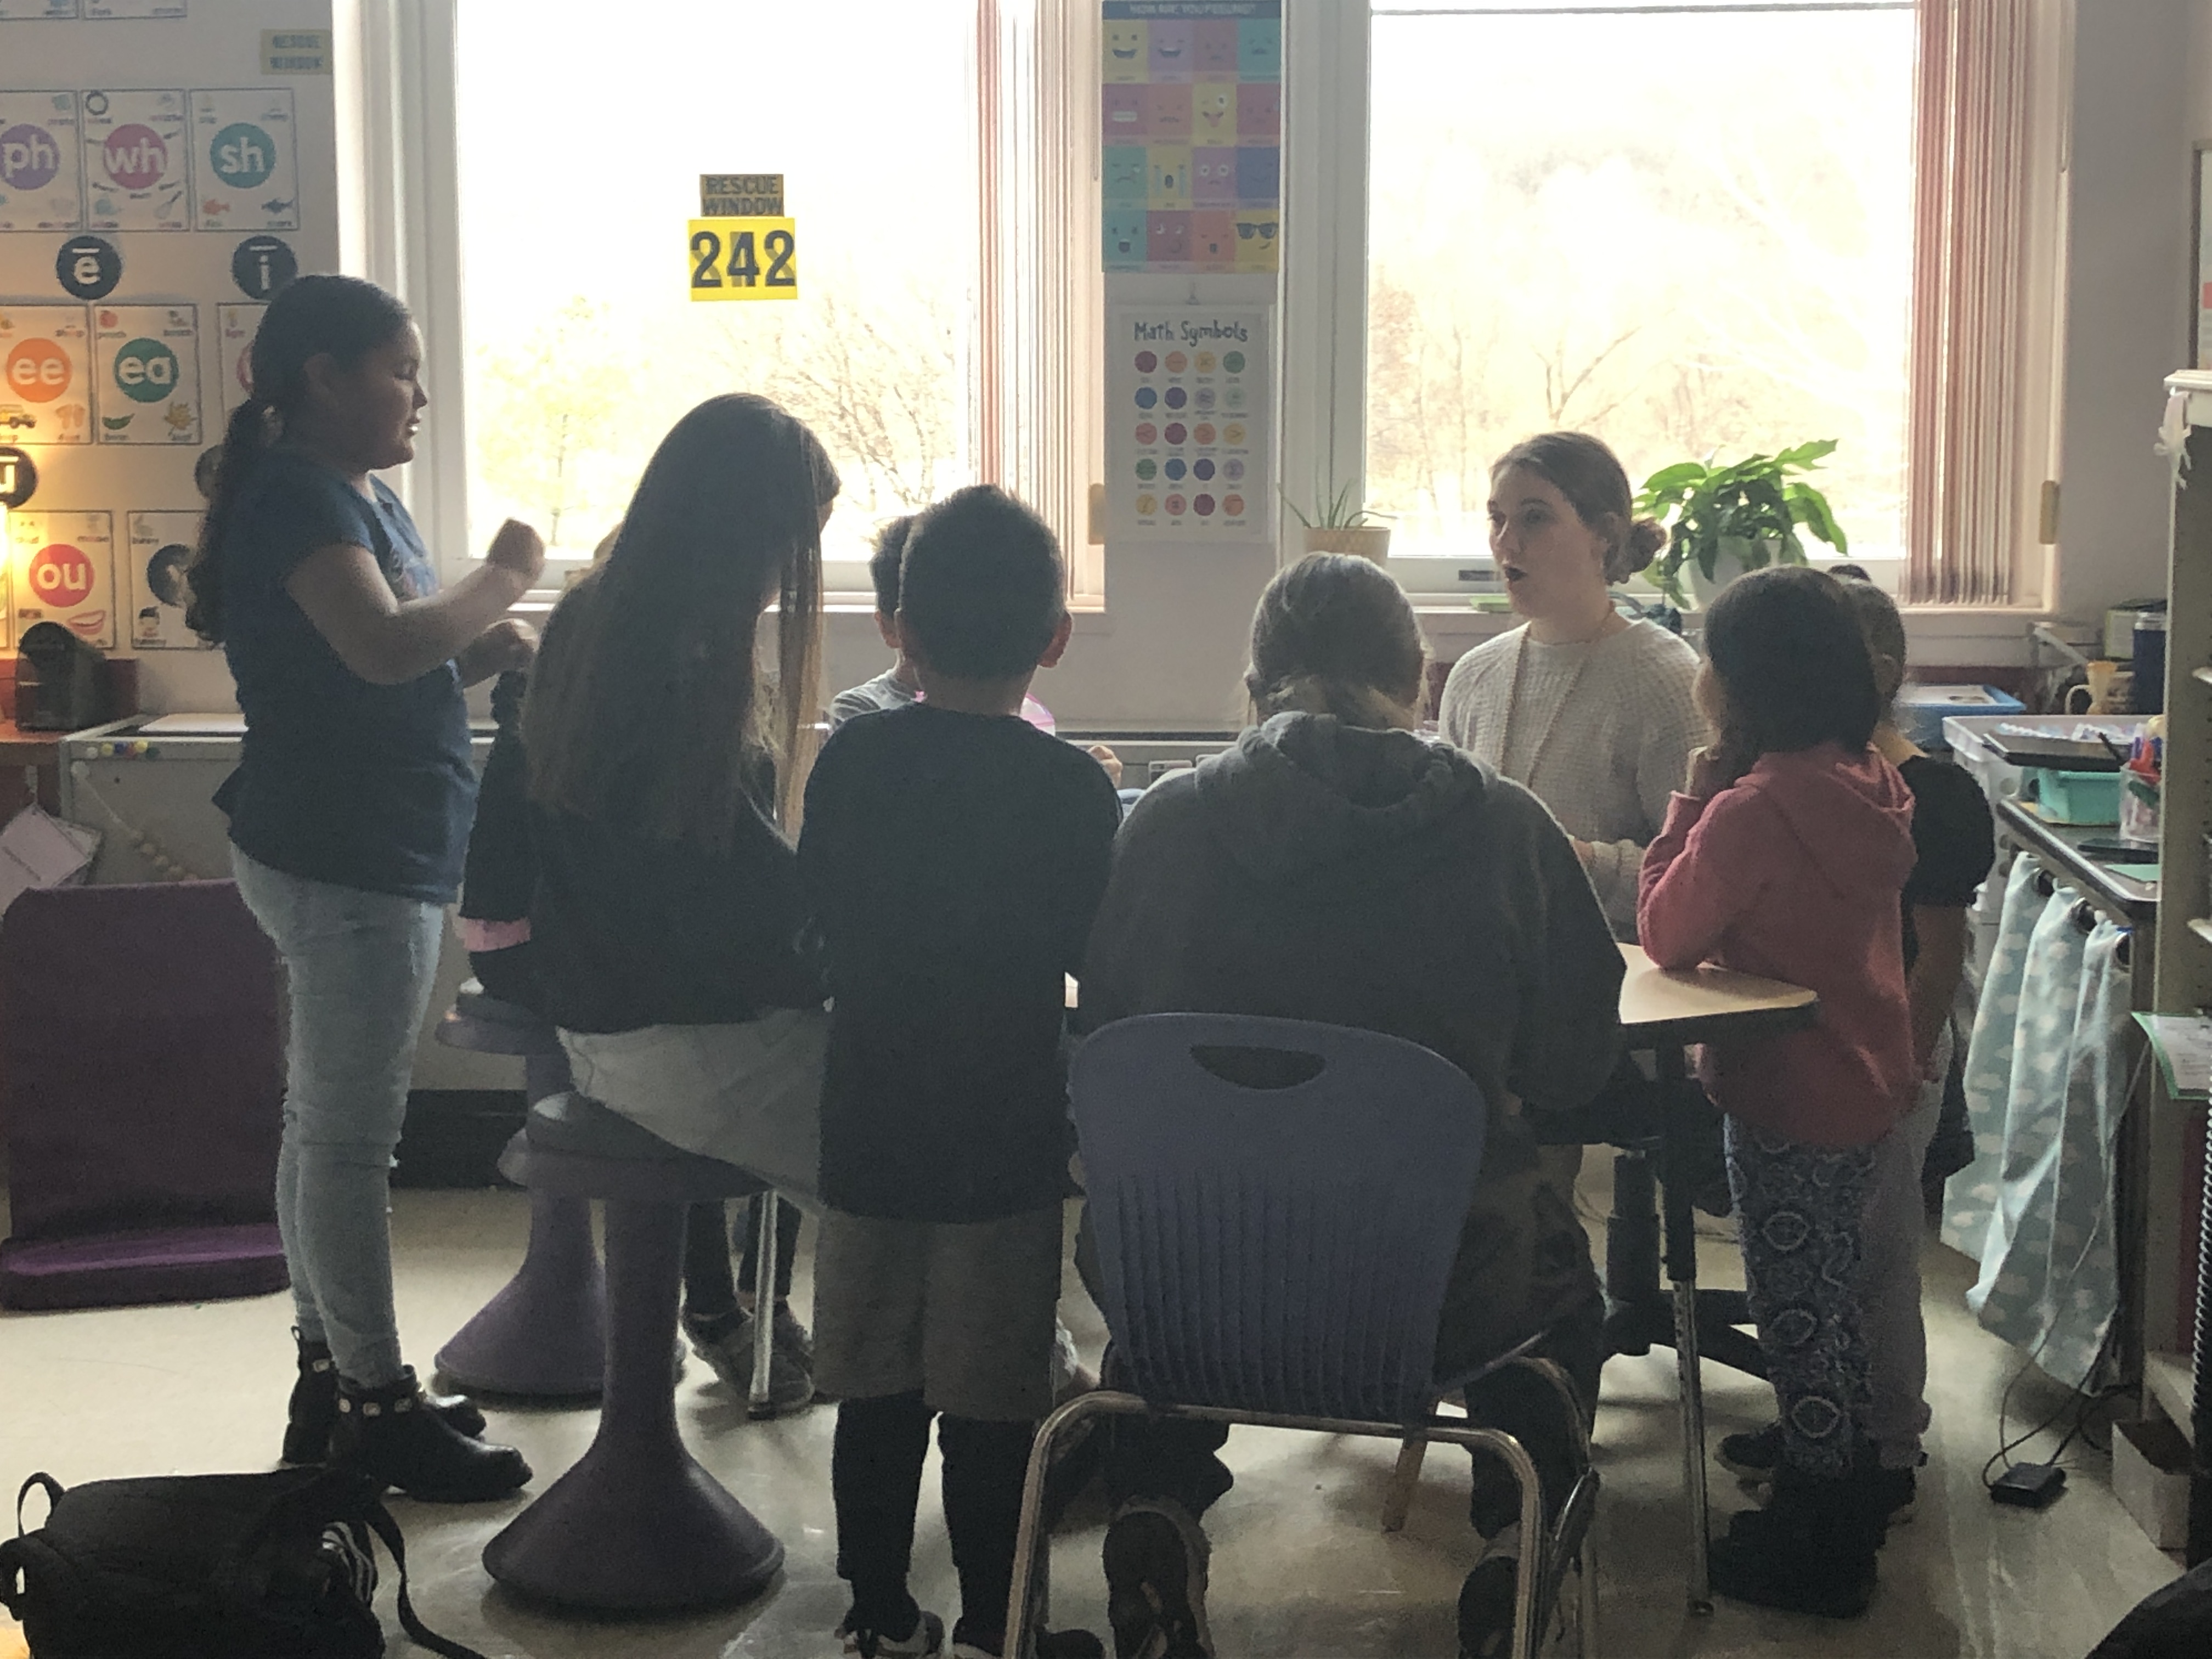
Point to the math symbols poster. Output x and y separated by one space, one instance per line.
1190 438
1191 106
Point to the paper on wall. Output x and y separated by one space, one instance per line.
62 569
1189 440
147 373
135 162
31 11
40 154
120 8
235 327
160 544
45 373
245 173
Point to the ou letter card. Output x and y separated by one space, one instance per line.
45 373
161 546
235 327
147 370
246 174
40 151
135 164
63 570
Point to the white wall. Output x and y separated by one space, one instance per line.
2141 96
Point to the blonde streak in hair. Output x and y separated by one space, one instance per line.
799 678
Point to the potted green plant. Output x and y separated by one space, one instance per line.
1724 520
1338 525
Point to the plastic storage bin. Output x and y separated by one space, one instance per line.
2075 798
1923 710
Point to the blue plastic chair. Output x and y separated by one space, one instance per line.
1276 1251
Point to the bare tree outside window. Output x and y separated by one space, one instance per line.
1686 232
584 344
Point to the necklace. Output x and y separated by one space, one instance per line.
1513 710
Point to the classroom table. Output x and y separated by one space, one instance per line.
1664 1014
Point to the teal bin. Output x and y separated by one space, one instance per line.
2078 798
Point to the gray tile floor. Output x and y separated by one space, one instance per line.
1300 1567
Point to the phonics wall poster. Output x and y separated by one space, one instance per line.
40 152
146 373
235 327
160 547
1193 111
136 159
1189 436
45 374
63 570
246 170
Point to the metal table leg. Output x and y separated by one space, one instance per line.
1681 1252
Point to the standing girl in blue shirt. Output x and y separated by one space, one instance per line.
349 814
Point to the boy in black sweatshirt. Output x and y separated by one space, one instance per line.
952 858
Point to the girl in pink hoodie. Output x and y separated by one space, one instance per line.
1786 856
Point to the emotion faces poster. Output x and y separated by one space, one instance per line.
45 373
146 373
1192 109
160 545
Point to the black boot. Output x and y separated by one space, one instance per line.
1810 1550
392 1433
314 1412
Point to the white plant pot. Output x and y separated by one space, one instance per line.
1371 541
1732 561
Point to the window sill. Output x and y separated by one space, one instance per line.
1090 615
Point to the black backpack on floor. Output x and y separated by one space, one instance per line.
208 1566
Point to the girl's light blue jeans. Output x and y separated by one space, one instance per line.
360 966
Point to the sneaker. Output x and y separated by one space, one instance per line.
1156 1559
1753 1456
924 1641
728 1350
1486 1599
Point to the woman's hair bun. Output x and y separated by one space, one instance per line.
1638 547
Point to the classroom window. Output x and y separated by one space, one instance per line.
578 169
1687 228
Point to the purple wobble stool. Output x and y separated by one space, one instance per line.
637 1525
544 1335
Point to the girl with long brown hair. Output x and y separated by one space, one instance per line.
663 773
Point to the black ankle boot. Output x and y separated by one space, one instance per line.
314 1412
1811 1550
392 1433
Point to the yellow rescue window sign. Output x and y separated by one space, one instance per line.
744 259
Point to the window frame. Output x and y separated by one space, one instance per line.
1326 297
397 66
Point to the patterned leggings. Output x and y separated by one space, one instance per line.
1799 1210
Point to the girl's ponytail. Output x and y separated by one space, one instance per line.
340 316
243 443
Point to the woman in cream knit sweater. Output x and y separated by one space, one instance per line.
1589 710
